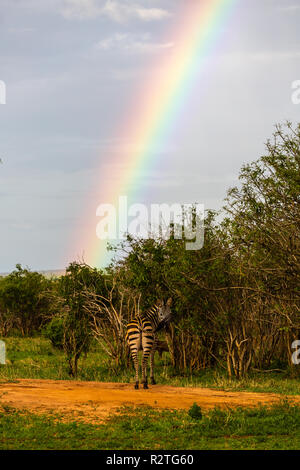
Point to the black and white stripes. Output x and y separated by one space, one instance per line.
141 336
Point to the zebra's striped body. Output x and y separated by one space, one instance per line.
141 336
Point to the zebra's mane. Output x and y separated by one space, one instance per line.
151 312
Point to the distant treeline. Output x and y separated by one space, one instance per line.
236 302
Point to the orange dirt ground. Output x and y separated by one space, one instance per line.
94 401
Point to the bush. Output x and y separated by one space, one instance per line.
195 412
54 331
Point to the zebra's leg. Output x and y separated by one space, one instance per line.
136 367
144 369
134 343
135 359
152 353
152 368
147 342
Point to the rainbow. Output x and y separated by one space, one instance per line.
155 108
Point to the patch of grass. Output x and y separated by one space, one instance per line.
195 411
35 358
146 428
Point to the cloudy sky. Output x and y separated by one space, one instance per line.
71 69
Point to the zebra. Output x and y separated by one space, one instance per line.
141 336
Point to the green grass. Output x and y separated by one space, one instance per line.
35 358
145 428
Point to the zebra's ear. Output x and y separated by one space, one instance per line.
169 302
160 303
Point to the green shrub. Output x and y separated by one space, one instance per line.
55 332
195 412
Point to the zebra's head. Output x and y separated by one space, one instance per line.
164 313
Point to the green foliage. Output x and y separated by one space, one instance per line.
23 299
264 229
54 331
72 290
265 214
236 301
195 412
144 428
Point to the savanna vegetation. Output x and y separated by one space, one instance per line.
143 428
236 314
236 300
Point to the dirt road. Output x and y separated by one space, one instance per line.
94 401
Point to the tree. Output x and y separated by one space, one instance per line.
109 312
23 302
265 234
238 297
71 300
